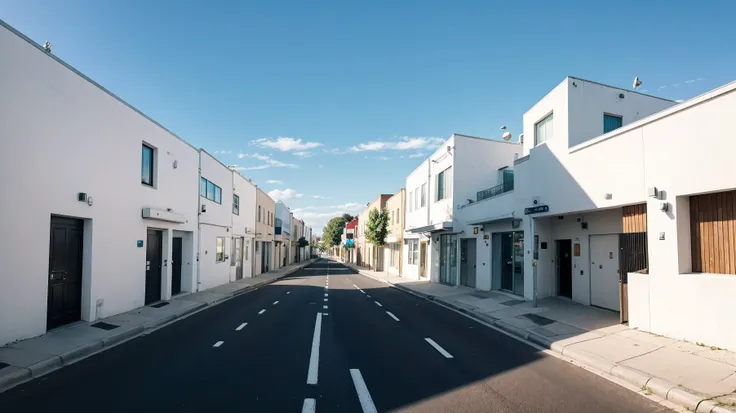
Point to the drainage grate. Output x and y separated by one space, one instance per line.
539 320
105 326
3 365
159 305
512 302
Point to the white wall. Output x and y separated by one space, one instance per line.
215 222
244 224
264 230
82 139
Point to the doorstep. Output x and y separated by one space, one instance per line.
34 357
701 378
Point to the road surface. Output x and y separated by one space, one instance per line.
324 339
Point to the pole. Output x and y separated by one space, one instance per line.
534 261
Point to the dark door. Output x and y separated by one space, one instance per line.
176 267
238 258
153 267
467 262
507 261
564 268
65 272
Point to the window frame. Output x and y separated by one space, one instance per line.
151 175
424 195
236 204
446 184
212 192
220 250
545 119
612 115
410 201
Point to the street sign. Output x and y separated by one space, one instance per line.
536 209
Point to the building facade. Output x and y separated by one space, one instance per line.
282 233
392 251
243 228
371 256
265 219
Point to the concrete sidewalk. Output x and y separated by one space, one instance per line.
31 358
696 376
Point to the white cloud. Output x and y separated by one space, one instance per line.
334 151
269 162
690 81
676 85
317 217
223 152
663 87
303 154
279 195
320 197
417 155
348 207
320 166
404 143
275 182
383 158
285 144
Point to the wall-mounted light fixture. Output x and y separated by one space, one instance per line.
652 192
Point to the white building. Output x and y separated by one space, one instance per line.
103 219
436 236
265 220
242 264
282 234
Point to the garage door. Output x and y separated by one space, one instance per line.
604 284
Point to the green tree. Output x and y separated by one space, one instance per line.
332 232
302 242
376 229
347 217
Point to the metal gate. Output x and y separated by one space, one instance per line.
632 257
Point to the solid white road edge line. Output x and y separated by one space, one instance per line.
314 358
309 406
378 304
366 401
262 311
438 348
240 327
392 315
218 344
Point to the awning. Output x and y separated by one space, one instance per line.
442 226
491 220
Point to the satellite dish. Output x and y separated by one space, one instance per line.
507 136
637 82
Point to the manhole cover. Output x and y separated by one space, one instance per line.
105 326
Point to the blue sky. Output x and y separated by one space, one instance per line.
331 102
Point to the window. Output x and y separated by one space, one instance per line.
210 191
611 122
543 130
257 244
247 249
444 184
424 194
220 250
392 217
236 204
409 201
259 220
398 220
147 165
416 199
412 251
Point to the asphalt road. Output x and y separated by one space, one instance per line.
326 340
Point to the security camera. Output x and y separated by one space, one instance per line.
579 219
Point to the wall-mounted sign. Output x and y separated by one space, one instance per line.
536 209
475 230
140 243
485 236
576 250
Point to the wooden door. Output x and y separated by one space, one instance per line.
65 272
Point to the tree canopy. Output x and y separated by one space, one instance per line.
332 232
376 230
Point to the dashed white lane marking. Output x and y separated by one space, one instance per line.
240 327
390 314
218 344
361 291
325 294
324 306
368 296
366 401
326 299
438 348
262 311
325 313
275 302
378 304
356 286
288 292
314 358
309 406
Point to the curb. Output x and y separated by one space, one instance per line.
13 375
665 390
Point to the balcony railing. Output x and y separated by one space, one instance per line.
506 186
